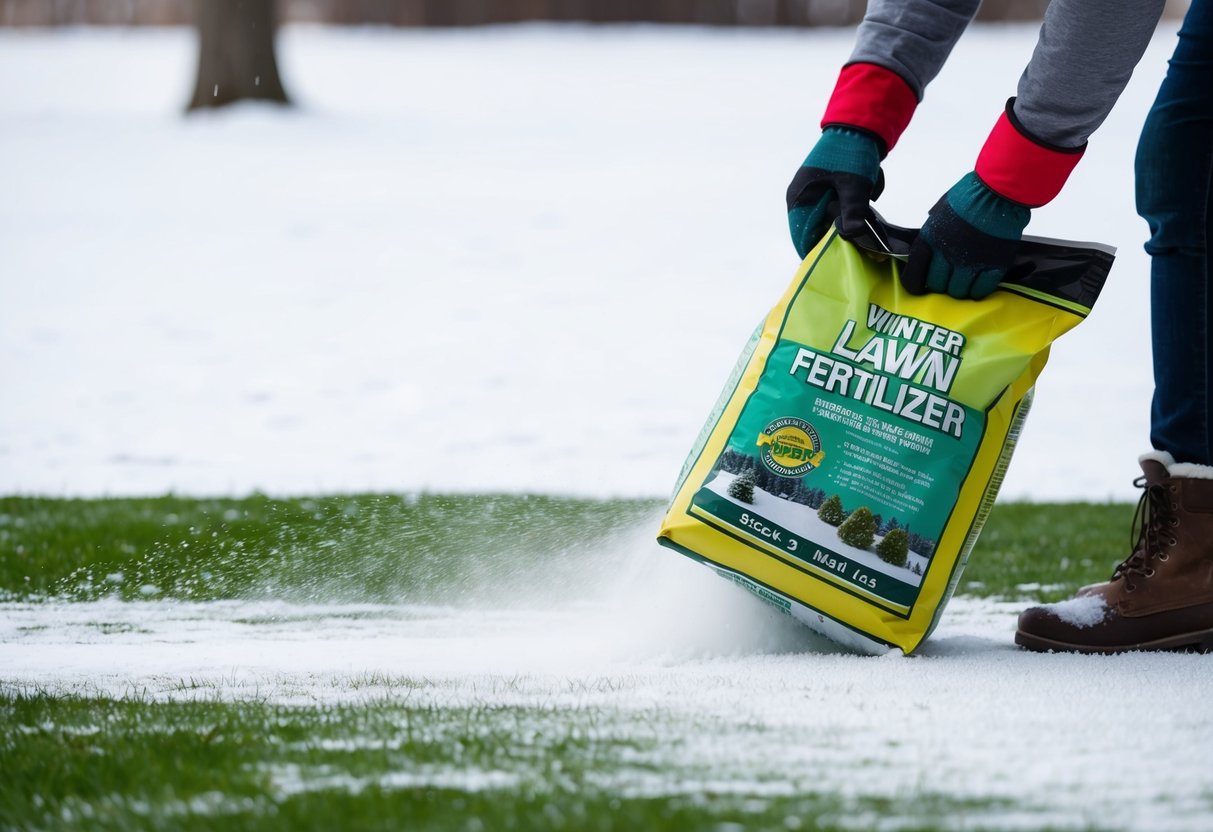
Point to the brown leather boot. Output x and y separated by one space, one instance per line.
1161 596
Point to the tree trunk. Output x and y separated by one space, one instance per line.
235 53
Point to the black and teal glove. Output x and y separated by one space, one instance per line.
839 179
966 247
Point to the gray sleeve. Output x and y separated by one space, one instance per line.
1086 52
912 37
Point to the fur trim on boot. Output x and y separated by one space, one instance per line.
1186 470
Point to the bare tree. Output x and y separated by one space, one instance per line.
236 58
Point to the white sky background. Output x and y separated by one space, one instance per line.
517 259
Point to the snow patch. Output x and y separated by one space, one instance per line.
288 780
1083 612
321 288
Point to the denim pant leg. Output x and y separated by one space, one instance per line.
1174 172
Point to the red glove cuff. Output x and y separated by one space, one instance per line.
1022 169
871 98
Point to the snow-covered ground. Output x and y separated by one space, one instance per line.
505 259
1059 741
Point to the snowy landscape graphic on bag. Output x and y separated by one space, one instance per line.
855 452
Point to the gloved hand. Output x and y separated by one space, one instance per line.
839 178
967 244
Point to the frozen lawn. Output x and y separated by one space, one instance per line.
717 694
507 659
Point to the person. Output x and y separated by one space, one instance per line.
1161 595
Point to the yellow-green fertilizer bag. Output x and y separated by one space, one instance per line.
846 471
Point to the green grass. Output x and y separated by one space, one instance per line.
135 763
423 549
1046 551
138 764
440 549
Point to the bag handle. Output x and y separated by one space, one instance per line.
882 237
1063 270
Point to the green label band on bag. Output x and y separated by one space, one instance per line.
848 467
824 562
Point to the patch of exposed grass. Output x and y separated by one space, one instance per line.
440 549
138 764
382 548
1045 551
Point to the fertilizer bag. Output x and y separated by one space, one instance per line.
846 471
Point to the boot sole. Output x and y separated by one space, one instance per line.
1200 641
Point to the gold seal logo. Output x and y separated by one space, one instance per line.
790 447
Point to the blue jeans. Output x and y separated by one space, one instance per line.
1174 172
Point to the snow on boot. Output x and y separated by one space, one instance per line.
1161 596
